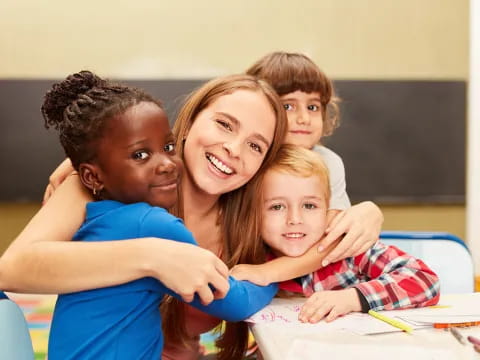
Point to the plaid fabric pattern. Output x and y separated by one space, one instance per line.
387 277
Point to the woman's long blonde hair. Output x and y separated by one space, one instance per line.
238 219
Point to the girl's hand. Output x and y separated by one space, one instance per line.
360 227
329 305
256 274
57 177
188 269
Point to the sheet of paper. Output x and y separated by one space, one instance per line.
460 309
364 324
284 312
452 309
313 350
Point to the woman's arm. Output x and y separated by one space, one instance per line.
43 260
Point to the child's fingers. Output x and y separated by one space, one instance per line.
307 312
332 315
308 308
318 315
311 306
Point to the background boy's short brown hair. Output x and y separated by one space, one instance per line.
290 72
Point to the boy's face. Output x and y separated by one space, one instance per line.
137 160
305 120
293 213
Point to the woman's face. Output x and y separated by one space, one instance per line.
228 141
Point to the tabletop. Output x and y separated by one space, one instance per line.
280 340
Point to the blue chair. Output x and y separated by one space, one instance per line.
15 341
444 253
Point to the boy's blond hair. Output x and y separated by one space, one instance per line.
298 161
290 72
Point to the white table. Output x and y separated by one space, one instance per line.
278 342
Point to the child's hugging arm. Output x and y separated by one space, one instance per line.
397 280
283 268
242 298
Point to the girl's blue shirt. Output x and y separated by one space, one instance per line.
123 321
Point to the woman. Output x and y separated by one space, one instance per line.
226 132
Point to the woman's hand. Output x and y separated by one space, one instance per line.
329 305
57 177
360 227
188 270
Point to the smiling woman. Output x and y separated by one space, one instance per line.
228 141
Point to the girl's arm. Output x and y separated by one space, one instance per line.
43 260
242 301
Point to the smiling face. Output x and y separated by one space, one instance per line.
293 212
228 141
136 159
305 120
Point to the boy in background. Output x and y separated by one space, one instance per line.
311 105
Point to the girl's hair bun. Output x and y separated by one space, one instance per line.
65 93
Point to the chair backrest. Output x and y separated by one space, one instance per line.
444 253
15 341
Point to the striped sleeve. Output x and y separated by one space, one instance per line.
397 280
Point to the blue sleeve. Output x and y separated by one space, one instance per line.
243 299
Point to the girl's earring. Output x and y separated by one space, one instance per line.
94 191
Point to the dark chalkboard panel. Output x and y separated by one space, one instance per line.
402 141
